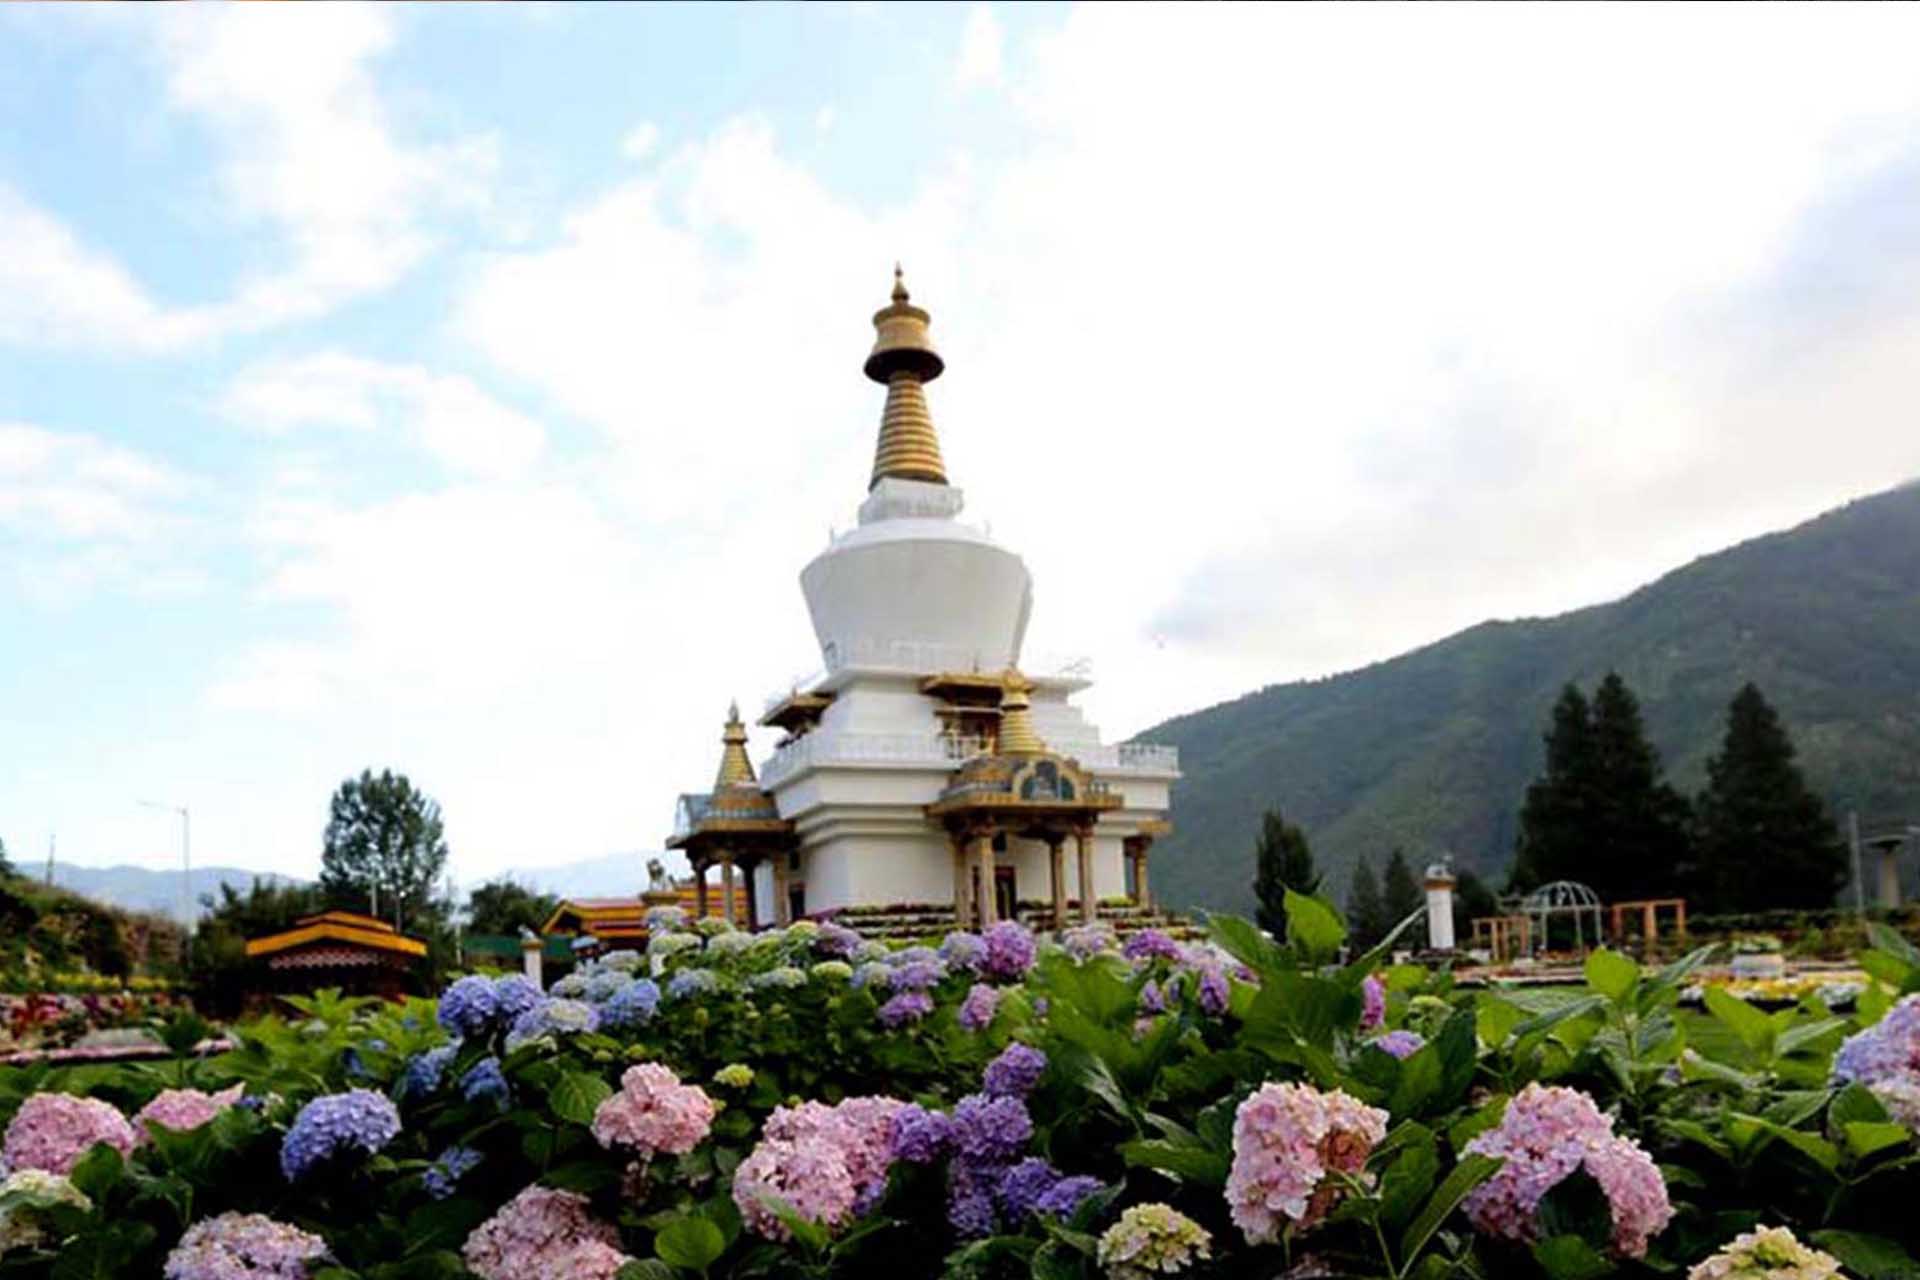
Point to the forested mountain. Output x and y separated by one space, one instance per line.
1433 750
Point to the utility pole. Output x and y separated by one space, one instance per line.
186 868
52 840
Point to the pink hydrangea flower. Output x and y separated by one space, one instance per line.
826 1164
654 1112
184 1109
1287 1140
544 1234
1546 1134
243 1246
51 1131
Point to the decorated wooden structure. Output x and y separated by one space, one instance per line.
357 953
737 827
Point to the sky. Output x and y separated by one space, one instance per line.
461 389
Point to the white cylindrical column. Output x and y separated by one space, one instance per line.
1439 907
531 959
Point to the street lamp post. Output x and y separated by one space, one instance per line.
186 862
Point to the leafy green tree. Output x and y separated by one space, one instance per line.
1765 839
384 839
6 863
506 906
1282 861
1366 910
1401 889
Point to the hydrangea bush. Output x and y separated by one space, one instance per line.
805 1102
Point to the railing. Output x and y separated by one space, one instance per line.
867 748
940 750
922 658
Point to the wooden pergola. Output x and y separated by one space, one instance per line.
1504 936
1649 909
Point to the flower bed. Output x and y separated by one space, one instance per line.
808 1103
56 1020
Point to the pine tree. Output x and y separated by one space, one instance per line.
1401 889
1471 900
1765 839
1367 919
1558 803
1640 846
1282 861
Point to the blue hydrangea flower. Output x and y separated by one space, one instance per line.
1022 1186
623 961
692 982
631 1006
1401 1044
602 985
970 1201
1150 944
485 1080
963 952
1016 1071
873 974
917 976
913 955
836 941
908 1006
513 995
425 1070
469 1006
920 1136
989 1129
553 1017
1010 950
444 1174
1067 1195
336 1124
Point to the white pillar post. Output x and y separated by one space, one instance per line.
1439 908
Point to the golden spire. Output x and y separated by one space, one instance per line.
735 768
904 359
1018 737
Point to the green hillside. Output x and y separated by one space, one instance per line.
1433 750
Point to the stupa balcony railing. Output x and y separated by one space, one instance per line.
817 748
1124 757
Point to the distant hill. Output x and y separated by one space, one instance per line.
1433 750
611 875
144 889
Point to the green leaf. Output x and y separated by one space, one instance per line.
1185 1161
1570 1258
1420 1077
576 1095
1054 1261
644 1269
1856 1104
1314 927
1468 1174
1243 941
691 1242
1814 1147
1874 1257
1754 1028
96 1173
442 1224
1866 1137
1410 1174
1495 1019
1611 974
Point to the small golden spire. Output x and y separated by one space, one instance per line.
1018 737
904 359
735 768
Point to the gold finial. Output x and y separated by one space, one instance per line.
1018 737
904 359
735 768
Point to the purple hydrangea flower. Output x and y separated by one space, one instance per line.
989 1129
908 1006
836 941
1373 996
1066 1195
970 1201
553 1017
1888 1049
692 982
1150 944
920 1136
444 1174
963 952
336 1124
1401 1044
424 1072
1022 1186
873 974
1016 1071
977 1010
631 1006
485 1080
918 976
1214 992
1151 1001
1010 951
513 995
469 1006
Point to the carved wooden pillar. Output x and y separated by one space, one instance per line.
782 892
1057 866
1083 852
751 874
983 862
700 889
727 887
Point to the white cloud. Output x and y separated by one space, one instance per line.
309 161
981 45
640 143
449 415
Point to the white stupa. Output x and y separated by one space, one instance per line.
921 763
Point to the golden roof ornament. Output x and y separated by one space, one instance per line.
1018 737
735 768
904 359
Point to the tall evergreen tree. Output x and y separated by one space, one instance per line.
1602 813
1367 919
384 839
1472 899
1282 861
1765 839
1558 803
1401 889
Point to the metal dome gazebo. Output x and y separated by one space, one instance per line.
1558 901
